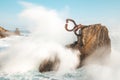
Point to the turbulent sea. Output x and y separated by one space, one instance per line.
6 43
95 72
20 56
35 75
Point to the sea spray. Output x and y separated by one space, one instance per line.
110 70
45 23
25 54
47 38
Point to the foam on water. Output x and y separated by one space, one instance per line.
27 55
17 63
21 56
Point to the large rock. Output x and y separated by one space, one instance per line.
2 30
94 40
50 64
93 44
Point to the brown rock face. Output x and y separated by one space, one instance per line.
50 64
93 37
93 43
2 31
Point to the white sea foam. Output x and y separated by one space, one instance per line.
46 39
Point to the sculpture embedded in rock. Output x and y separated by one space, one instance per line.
91 39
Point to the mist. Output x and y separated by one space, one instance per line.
45 23
47 38
111 69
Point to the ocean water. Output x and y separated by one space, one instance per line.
94 72
6 45
21 55
35 75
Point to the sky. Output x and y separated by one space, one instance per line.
83 11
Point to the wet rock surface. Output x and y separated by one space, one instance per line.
93 37
93 44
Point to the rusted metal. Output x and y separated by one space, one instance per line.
75 28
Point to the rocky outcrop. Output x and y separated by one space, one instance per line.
5 33
2 31
50 64
94 40
93 44
17 32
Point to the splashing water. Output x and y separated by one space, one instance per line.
21 56
47 38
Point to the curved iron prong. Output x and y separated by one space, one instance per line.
66 25
76 29
71 21
77 34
